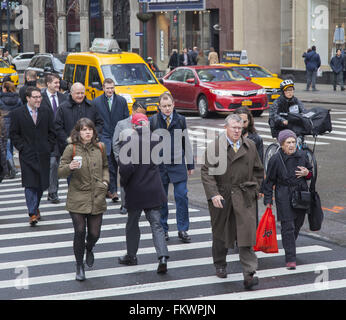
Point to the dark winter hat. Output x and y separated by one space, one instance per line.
285 134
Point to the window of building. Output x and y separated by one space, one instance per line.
73 25
95 20
121 23
51 26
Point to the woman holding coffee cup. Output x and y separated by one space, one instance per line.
85 162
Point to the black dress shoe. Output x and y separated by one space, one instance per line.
89 258
80 273
166 236
162 268
184 236
128 260
250 282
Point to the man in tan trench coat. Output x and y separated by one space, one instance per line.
231 176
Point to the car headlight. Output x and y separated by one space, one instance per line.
223 93
128 97
261 91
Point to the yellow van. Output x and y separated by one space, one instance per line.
133 78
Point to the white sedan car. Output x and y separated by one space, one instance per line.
22 60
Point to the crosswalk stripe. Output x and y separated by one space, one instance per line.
105 227
116 271
197 281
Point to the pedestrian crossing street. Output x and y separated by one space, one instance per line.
37 263
199 133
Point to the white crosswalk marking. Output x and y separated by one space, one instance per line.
46 251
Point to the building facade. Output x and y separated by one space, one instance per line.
275 33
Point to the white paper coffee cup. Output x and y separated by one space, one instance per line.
79 159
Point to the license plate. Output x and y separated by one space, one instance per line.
275 96
246 103
151 108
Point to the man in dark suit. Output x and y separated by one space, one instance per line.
51 99
175 169
32 134
112 109
30 81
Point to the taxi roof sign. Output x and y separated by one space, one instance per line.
104 45
239 57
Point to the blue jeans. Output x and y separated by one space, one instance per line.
311 79
33 198
182 207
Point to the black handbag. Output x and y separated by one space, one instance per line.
301 199
315 212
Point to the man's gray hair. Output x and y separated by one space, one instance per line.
234 117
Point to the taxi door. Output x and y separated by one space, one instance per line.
93 88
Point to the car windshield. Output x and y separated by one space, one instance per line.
3 64
219 74
128 74
58 65
253 72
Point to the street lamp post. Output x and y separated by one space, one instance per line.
8 28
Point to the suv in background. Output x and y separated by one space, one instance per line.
22 60
47 63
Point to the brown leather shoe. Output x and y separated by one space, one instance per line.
250 281
109 195
33 220
38 215
221 272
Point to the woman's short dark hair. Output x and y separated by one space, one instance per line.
246 110
80 124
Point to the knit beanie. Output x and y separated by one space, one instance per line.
285 134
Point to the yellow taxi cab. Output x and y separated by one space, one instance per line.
259 75
132 77
6 70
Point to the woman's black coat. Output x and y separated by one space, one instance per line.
285 182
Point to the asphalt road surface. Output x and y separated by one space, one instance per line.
38 263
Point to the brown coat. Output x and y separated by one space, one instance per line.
239 185
86 191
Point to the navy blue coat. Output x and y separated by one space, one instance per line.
119 112
176 169
312 61
337 64
141 180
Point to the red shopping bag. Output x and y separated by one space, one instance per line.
266 240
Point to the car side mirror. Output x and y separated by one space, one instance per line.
96 85
160 80
12 67
191 80
275 75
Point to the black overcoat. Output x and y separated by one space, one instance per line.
34 143
285 182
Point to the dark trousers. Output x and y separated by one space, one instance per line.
247 257
33 198
289 234
311 79
113 173
338 79
53 175
182 207
133 232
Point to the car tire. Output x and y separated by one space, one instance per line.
203 107
257 113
